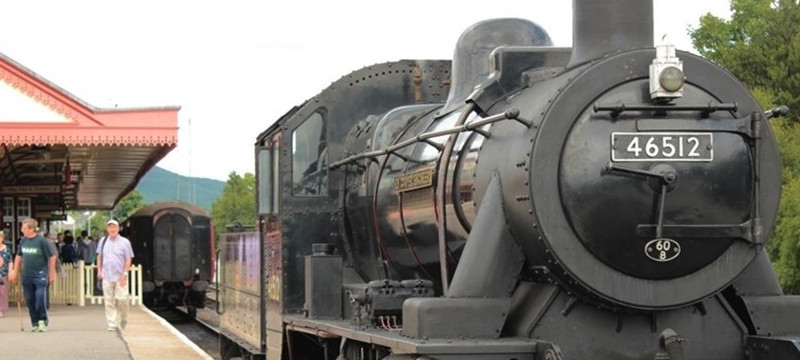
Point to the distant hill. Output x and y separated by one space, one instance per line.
163 185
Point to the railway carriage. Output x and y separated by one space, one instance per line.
174 243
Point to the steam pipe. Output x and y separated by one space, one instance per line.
669 345
510 114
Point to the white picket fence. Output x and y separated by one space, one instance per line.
78 286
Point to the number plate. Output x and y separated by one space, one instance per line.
661 146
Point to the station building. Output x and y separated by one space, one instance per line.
58 153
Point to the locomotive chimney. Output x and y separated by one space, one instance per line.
605 26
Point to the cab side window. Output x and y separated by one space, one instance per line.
264 180
310 157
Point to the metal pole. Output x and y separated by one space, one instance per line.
88 222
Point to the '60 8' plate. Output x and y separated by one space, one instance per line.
662 146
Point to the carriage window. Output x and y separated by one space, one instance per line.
264 181
309 158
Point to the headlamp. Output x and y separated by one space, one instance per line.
671 78
666 75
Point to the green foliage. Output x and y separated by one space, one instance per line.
787 231
97 225
760 45
787 131
128 205
788 235
96 221
237 203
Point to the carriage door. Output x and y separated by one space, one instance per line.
172 234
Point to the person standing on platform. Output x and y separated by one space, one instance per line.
5 261
86 248
69 250
35 264
59 241
114 256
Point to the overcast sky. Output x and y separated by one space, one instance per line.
235 66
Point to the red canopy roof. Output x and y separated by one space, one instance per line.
51 139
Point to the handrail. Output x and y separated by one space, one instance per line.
510 114
217 303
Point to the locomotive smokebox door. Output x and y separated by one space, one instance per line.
323 282
667 198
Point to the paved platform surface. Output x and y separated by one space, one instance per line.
80 333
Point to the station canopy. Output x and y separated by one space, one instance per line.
66 154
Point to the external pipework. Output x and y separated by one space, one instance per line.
602 27
510 114
669 346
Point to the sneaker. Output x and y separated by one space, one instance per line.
34 328
42 326
111 328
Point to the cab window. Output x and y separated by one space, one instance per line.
264 181
309 158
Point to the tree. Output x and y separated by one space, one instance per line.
237 202
129 204
97 220
97 224
760 45
786 240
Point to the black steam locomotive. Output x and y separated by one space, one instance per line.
174 243
609 201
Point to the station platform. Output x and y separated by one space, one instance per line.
80 333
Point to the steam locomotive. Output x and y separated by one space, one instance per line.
608 201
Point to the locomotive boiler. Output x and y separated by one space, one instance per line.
608 201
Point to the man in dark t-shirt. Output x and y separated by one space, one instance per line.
38 263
